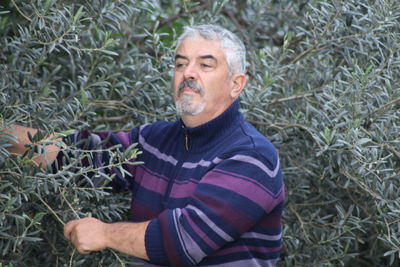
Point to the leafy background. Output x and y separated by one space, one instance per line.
323 87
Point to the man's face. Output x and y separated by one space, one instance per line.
201 83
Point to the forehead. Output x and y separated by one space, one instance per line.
197 47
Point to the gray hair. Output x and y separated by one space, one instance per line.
234 49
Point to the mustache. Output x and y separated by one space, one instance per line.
190 84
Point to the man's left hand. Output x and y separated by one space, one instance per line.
87 235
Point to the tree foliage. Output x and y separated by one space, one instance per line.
323 86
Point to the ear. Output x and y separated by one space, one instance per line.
238 81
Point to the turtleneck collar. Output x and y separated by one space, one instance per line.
204 136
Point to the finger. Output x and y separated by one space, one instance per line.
68 227
75 242
78 246
83 251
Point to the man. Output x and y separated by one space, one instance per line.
210 192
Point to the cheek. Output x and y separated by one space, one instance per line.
174 84
217 87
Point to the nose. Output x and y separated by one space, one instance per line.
190 72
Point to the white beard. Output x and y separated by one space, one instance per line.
184 106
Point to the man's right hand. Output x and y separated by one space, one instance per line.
18 147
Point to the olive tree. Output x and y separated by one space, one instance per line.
323 86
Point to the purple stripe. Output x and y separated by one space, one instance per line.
143 211
247 188
98 156
150 180
130 168
198 231
75 136
272 221
124 139
95 139
248 262
184 189
249 180
169 238
153 150
191 180
259 164
246 248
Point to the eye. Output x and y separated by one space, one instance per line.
179 65
203 65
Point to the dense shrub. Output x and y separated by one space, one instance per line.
323 87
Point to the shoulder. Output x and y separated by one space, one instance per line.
157 128
158 133
252 143
252 169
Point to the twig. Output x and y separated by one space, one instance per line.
290 98
69 204
391 149
362 185
237 23
305 53
72 257
20 11
382 107
316 48
122 118
181 13
50 209
118 258
118 104
57 38
306 236
285 126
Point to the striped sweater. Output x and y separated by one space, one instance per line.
214 193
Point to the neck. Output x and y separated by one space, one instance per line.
192 121
209 134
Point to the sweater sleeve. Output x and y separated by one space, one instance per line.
229 200
97 146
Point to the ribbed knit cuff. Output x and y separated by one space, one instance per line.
154 243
